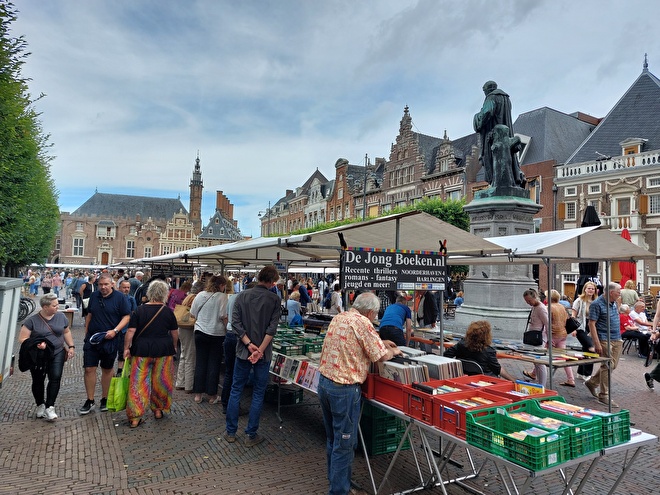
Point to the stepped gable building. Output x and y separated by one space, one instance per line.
616 169
222 228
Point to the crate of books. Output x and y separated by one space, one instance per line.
452 407
287 348
522 443
615 426
388 392
584 429
312 344
418 400
369 386
522 390
288 395
382 432
479 381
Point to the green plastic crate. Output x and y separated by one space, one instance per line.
489 429
382 431
616 428
585 434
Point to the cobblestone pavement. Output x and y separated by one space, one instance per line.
185 453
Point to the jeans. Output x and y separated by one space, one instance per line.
54 373
340 405
230 356
395 334
242 368
208 356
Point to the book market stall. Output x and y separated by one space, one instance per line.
424 403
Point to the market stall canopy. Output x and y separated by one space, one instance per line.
571 245
415 230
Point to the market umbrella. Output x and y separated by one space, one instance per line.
628 269
588 271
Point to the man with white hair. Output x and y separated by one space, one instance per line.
136 282
351 344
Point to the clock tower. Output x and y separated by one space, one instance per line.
196 186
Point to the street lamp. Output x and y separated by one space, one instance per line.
267 213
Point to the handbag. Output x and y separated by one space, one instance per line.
572 324
183 317
532 337
118 392
85 302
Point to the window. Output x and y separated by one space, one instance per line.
654 203
570 277
165 249
58 244
340 193
535 189
537 225
570 191
387 207
147 251
653 182
594 189
454 195
654 280
78 246
79 226
132 230
570 210
210 230
130 249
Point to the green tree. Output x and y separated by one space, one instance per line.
29 215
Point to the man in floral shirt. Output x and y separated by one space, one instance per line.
350 345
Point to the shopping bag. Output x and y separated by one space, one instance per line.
183 317
118 392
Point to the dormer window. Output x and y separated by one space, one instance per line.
632 146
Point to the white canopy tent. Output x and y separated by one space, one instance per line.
416 231
586 244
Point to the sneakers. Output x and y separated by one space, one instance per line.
229 437
647 377
604 401
87 407
50 414
592 388
104 404
41 410
253 440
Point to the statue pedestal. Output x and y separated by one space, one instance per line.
494 292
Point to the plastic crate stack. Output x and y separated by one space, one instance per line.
382 432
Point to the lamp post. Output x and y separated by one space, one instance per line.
267 213
555 189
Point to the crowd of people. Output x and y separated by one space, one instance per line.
132 322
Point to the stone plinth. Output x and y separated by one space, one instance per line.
494 292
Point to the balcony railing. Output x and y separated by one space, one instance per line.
645 159
632 222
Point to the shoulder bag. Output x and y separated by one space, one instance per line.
66 354
532 337
572 324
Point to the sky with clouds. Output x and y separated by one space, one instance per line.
268 91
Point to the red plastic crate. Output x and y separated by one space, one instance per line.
451 417
495 381
369 386
420 405
503 391
388 392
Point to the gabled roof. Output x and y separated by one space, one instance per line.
223 230
635 115
122 205
555 135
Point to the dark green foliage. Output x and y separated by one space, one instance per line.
29 214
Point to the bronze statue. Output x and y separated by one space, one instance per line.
496 111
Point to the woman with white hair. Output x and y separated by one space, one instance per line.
151 341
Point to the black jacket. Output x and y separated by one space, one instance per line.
31 357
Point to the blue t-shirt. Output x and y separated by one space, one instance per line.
395 315
107 312
598 313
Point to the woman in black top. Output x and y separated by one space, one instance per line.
476 346
150 341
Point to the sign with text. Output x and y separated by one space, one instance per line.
171 270
375 269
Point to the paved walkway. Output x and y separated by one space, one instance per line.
185 454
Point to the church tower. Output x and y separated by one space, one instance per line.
196 186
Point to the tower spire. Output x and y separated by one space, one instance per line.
196 186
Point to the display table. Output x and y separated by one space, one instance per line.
584 467
69 315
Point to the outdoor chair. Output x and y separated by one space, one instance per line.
471 367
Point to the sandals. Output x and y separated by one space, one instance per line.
529 375
198 398
136 422
216 400
567 384
158 414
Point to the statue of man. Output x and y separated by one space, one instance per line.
496 110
